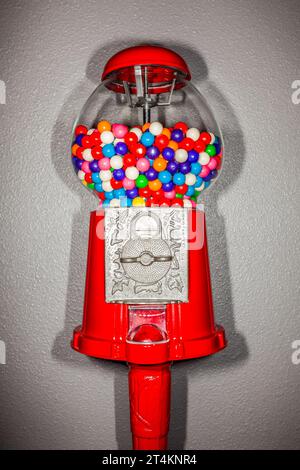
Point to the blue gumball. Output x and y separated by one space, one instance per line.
196 168
178 179
147 139
108 150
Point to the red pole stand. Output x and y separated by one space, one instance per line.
149 394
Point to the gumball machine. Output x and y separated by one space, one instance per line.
147 145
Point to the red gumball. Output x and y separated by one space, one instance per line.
79 153
101 196
181 189
186 144
139 150
165 202
161 141
88 177
87 141
177 202
182 126
95 136
144 192
97 152
116 184
129 160
80 130
199 146
205 137
131 139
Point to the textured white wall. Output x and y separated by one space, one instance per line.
244 56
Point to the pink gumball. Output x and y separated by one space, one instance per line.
170 194
119 130
128 184
86 167
212 164
193 203
204 172
143 164
104 164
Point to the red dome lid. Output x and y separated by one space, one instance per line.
146 55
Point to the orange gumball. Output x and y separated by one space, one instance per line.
103 126
146 126
155 185
75 147
166 132
160 164
173 145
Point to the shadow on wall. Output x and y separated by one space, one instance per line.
236 352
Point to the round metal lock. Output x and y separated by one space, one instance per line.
146 257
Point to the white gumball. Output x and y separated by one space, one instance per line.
190 179
137 132
187 203
106 186
107 137
105 175
87 155
213 137
132 173
181 155
156 128
116 162
193 133
203 158
81 175
114 202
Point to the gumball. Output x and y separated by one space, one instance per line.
199 146
94 167
184 167
105 175
109 194
146 126
172 167
173 145
190 179
201 187
106 186
167 187
181 189
165 202
116 162
128 184
129 160
204 158
132 173
182 126
119 193
119 174
151 174
88 177
81 175
186 144
96 139
177 135
145 192
156 128
107 137
119 130
166 132
98 185
211 150
143 164
181 155
212 164
91 185
196 168
87 155
74 149
104 164
86 141
170 194
207 178
103 126
152 152
190 191
165 176
138 202
214 173
114 202
77 163
159 164
187 203
193 133
97 152
141 181
178 179
106 203
204 172
121 148
207 184
132 193
138 150
155 185
205 137
80 130
168 153
85 166
177 202
212 137
147 139
161 141
79 152
78 140
116 184
131 138
137 132
96 178
108 150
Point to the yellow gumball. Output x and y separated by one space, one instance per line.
138 202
